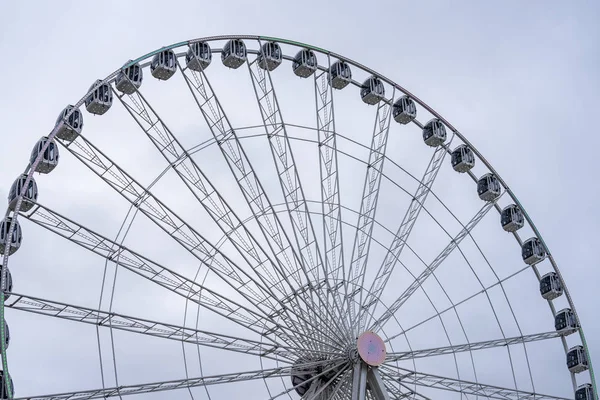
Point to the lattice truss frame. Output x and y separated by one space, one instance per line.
301 296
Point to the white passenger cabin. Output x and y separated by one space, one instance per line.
99 99
8 283
199 56
129 78
550 286
372 91
50 155
533 251
340 75
404 110
434 133
565 322
13 243
30 196
462 158
488 187
585 392
163 65
305 63
577 360
270 56
512 218
72 126
234 53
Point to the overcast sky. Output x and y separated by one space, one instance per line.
519 79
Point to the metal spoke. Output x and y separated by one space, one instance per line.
432 266
338 390
295 296
290 184
336 367
205 192
324 391
345 385
166 219
162 330
285 165
243 171
200 186
397 394
166 385
455 305
368 206
253 192
257 322
404 230
464 387
330 188
408 355
174 226
277 208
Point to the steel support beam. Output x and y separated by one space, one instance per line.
359 381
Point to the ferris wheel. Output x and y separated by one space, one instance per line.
284 205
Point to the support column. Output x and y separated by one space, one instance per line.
359 381
375 385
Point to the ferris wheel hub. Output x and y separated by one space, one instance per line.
371 348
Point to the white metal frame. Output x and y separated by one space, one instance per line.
291 270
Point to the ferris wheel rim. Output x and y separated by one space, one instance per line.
29 171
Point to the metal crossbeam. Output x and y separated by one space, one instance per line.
148 327
253 192
395 306
166 385
209 255
368 206
396 393
404 230
319 388
291 186
152 271
464 387
330 186
324 390
344 387
245 175
338 390
455 305
408 355
287 171
166 219
212 201
202 189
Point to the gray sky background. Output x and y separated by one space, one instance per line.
518 79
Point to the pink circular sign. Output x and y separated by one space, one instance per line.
371 348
